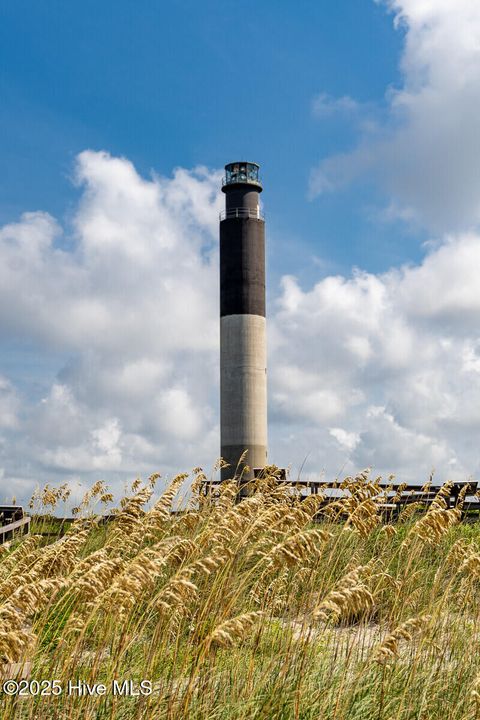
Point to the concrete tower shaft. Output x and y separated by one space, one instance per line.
243 362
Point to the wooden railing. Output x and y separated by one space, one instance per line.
12 522
7 531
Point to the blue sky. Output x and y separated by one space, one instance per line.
115 122
175 83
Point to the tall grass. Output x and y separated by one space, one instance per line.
245 610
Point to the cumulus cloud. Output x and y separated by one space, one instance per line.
393 362
395 358
126 297
426 155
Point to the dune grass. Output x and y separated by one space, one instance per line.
243 610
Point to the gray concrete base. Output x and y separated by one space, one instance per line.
243 390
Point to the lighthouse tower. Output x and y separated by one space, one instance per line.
243 356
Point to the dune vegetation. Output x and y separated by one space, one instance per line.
251 609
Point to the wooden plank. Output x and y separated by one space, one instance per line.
4 529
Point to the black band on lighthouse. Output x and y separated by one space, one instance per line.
242 267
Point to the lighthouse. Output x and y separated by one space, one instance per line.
243 354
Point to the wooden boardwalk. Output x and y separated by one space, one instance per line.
393 496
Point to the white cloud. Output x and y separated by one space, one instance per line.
9 404
393 360
348 440
324 105
426 156
132 309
